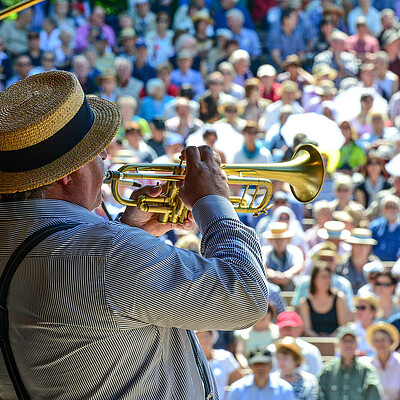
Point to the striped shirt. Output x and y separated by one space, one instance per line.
101 311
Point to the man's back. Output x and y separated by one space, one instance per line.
87 307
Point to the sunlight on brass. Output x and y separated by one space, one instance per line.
18 7
304 172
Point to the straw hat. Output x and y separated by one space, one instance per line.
323 69
289 342
202 15
278 230
230 103
292 59
333 230
49 129
361 236
384 326
127 33
290 87
370 298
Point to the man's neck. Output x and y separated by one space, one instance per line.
261 382
348 361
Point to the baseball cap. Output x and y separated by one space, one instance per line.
344 331
140 42
259 355
174 138
158 122
266 70
289 318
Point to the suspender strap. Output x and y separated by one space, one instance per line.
200 366
11 267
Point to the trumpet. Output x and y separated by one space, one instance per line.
304 172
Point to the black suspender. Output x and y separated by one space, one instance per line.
11 267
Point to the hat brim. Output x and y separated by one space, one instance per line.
283 235
260 359
291 347
390 329
353 240
239 107
105 126
323 234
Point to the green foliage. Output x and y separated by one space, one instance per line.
112 7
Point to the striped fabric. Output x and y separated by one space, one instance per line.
101 311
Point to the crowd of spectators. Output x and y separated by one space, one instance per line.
253 80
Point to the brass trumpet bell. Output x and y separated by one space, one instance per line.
304 172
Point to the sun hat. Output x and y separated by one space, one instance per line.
230 103
373 266
202 15
49 129
333 230
323 69
127 33
361 236
289 342
390 329
370 298
278 230
288 319
259 355
290 87
292 59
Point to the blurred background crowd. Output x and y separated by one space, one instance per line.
254 79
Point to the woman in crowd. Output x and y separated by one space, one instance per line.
352 156
324 310
384 338
223 365
289 359
374 182
385 288
386 81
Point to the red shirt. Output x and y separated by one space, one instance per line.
274 94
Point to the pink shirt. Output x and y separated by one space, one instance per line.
368 45
390 376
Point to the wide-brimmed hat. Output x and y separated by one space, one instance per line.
278 230
202 15
127 33
323 69
370 298
49 129
230 103
292 59
291 87
333 230
326 88
390 329
289 342
361 236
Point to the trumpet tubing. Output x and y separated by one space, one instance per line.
304 172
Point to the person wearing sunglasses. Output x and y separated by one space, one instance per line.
367 307
385 287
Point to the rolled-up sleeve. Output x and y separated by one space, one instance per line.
150 282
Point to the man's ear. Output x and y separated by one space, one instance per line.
65 181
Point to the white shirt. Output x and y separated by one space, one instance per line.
159 49
222 365
272 113
390 376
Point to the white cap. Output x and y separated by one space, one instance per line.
266 70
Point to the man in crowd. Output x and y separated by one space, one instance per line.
260 384
116 289
347 377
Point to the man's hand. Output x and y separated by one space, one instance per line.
204 175
149 221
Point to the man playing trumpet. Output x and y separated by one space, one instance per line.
100 309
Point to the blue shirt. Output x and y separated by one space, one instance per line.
193 77
248 40
276 389
151 108
288 45
388 247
